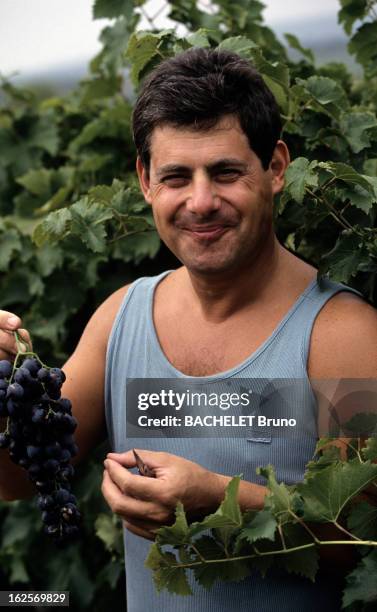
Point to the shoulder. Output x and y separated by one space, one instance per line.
344 339
101 322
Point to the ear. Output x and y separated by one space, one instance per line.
143 180
278 166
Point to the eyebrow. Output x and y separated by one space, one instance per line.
211 168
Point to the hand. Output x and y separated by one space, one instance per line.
146 504
9 323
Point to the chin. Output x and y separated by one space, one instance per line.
210 266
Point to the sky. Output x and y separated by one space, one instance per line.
41 35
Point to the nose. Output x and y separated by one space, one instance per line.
202 200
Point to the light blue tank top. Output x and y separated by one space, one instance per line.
134 352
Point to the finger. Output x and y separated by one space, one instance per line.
147 489
127 507
126 459
8 344
153 459
143 533
151 526
8 320
25 338
8 347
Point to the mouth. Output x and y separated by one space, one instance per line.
206 232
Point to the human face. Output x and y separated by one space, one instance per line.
210 196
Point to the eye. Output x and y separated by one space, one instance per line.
227 175
175 181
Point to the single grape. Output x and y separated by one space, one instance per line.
38 415
34 452
33 390
51 466
53 450
43 375
45 486
50 517
45 502
4 440
67 472
57 375
35 470
23 376
65 405
70 423
62 496
71 530
6 368
51 530
15 430
53 391
32 365
15 408
73 449
15 391
65 456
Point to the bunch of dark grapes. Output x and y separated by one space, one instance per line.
39 437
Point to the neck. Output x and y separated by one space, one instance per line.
223 295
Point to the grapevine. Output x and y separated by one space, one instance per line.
229 544
39 437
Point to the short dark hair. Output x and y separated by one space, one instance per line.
196 89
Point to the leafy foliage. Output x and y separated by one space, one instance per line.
282 533
69 203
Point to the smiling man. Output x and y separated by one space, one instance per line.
226 221
210 161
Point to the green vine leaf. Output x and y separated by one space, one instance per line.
38 182
109 531
355 128
207 574
279 498
199 38
10 245
88 223
346 258
363 46
328 95
142 48
165 573
300 175
362 520
53 228
109 9
352 11
362 583
295 44
178 533
262 526
227 518
369 452
328 491
302 563
238 44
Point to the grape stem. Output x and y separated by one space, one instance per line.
21 353
282 551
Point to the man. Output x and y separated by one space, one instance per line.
210 160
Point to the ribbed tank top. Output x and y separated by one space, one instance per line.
134 352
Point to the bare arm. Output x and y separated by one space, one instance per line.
342 367
84 386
